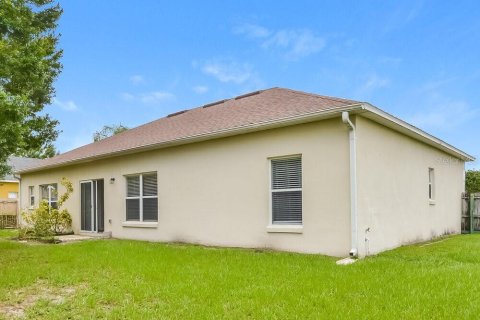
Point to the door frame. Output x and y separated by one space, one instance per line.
97 207
93 208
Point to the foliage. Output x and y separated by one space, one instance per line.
45 221
12 112
29 64
108 131
472 181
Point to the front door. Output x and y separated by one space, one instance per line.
91 205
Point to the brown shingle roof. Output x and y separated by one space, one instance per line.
249 109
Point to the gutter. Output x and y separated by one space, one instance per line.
353 184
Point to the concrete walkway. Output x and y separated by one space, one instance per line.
73 237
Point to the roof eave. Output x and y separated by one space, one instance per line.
260 126
366 109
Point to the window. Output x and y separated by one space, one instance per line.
286 190
431 183
48 192
142 198
12 195
31 196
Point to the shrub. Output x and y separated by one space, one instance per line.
44 222
472 181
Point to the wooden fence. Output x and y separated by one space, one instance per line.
470 212
8 213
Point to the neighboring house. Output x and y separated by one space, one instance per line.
276 168
10 187
10 184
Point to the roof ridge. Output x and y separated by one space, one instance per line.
271 104
215 103
317 95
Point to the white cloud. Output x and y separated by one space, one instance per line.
445 115
137 79
296 43
400 17
441 112
391 61
373 82
68 105
154 97
228 71
127 96
200 89
434 86
252 30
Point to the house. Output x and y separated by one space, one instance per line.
9 184
276 168
9 188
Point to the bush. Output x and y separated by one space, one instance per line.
45 222
472 181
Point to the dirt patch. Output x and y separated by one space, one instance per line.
27 297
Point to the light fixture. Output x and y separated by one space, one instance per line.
112 180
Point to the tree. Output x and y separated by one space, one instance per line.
472 181
108 131
29 64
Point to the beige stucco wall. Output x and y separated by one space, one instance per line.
393 188
217 192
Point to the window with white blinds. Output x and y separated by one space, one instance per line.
286 190
142 197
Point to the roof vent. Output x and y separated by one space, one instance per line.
214 103
248 94
176 113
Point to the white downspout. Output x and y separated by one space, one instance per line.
353 183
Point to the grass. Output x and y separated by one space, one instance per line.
120 279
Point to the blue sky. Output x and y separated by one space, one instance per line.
131 62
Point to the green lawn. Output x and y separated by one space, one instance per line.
119 279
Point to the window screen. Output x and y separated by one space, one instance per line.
52 196
142 197
286 190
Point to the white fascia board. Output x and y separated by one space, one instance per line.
399 125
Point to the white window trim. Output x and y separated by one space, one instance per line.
12 195
431 185
31 195
140 224
285 228
48 200
282 227
140 197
